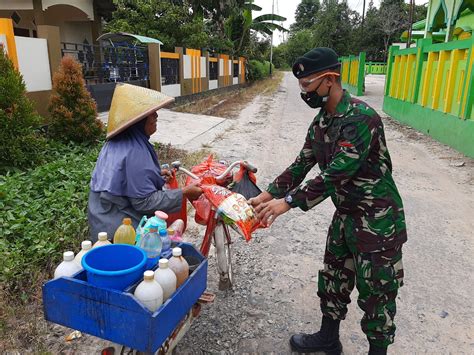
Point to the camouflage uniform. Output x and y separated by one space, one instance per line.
368 228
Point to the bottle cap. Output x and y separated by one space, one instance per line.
86 245
163 263
170 231
149 275
102 236
161 215
68 256
177 252
127 221
163 232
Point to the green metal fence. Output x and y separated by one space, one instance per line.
431 88
375 68
353 73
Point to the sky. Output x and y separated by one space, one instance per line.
287 9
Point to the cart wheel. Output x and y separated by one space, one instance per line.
223 254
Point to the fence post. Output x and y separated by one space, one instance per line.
51 34
388 79
179 50
361 75
154 64
420 56
465 108
205 87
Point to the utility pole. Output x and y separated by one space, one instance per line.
271 41
363 14
412 3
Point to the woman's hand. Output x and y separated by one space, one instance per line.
192 192
166 174
263 197
267 212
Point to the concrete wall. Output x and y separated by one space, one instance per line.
33 61
213 84
171 90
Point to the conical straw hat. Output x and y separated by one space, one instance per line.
131 104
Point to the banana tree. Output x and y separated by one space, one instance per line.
240 23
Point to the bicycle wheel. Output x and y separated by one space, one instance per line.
223 254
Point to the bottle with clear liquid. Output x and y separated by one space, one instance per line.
179 266
166 278
145 224
86 245
151 244
68 267
102 240
149 292
165 240
125 234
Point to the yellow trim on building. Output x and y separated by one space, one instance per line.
169 55
6 28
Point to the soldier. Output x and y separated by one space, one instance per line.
364 244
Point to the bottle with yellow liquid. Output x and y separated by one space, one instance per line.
125 234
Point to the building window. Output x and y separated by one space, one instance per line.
236 70
213 70
169 71
21 32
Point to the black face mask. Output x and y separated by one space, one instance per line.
313 100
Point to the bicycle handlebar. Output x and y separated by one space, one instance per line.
250 167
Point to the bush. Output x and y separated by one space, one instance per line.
19 142
73 111
259 70
42 214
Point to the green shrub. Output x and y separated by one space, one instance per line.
73 111
20 144
42 214
259 70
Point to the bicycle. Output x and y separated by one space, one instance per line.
216 230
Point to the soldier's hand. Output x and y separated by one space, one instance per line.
267 212
263 197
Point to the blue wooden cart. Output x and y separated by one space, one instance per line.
118 316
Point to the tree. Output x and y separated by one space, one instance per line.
394 21
20 144
305 15
239 25
73 111
173 24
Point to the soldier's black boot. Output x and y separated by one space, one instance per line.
375 350
326 340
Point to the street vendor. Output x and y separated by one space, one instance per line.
128 180
364 244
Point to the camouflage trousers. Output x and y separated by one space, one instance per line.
377 276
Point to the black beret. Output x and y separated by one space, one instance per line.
316 60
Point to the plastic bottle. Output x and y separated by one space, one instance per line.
179 266
166 278
102 236
149 292
178 227
86 245
151 243
172 236
158 219
125 234
165 240
68 267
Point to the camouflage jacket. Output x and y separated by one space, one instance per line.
356 172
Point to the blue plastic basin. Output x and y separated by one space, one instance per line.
114 266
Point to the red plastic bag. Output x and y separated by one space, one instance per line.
183 213
206 171
233 208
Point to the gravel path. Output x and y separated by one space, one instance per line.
276 273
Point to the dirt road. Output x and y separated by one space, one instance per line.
276 273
